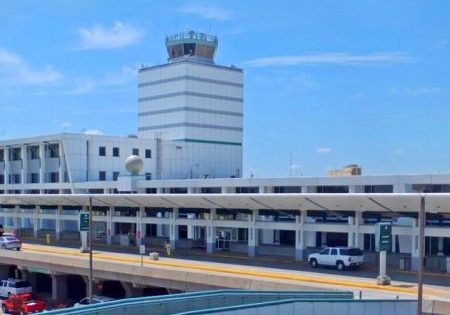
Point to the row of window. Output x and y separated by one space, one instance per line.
116 152
32 152
33 178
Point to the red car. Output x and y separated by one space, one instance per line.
22 302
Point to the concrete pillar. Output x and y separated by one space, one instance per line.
59 287
159 227
110 226
140 227
440 246
131 290
253 235
7 171
36 221
305 189
58 223
210 239
324 238
62 162
174 228
351 232
394 243
415 246
299 236
15 218
299 244
211 232
42 170
24 157
191 228
252 242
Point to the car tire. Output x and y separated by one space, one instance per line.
4 309
340 266
3 246
313 263
17 248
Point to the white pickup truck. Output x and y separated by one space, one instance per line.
14 286
339 257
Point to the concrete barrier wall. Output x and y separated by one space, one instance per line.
356 307
192 302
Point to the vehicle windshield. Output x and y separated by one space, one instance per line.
22 284
351 252
10 239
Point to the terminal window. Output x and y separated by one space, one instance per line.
115 175
14 154
34 152
135 151
115 151
2 155
53 150
102 175
101 151
148 154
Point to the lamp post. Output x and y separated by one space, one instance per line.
91 278
422 218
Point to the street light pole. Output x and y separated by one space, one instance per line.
422 218
91 278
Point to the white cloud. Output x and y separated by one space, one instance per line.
330 58
207 11
87 84
399 151
94 132
323 150
14 70
116 36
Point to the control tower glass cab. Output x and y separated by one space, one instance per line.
191 45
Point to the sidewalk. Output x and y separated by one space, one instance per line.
286 263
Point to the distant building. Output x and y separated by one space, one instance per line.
190 125
349 170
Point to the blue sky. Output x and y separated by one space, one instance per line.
326 82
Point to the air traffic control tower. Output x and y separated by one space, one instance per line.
191 99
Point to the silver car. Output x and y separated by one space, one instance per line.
95 300
10 242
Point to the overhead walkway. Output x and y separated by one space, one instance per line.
241 302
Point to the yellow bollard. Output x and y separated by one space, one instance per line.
47 236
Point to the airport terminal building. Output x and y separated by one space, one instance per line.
190 190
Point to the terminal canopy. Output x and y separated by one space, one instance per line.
401 202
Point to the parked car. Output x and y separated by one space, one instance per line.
10 242
29 304
95 300
14 286
339 257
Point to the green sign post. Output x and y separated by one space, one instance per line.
383 244
383 237
84 221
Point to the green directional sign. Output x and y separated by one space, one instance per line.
39 270
383 237
84 221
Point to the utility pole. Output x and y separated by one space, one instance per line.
91 278
422 219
